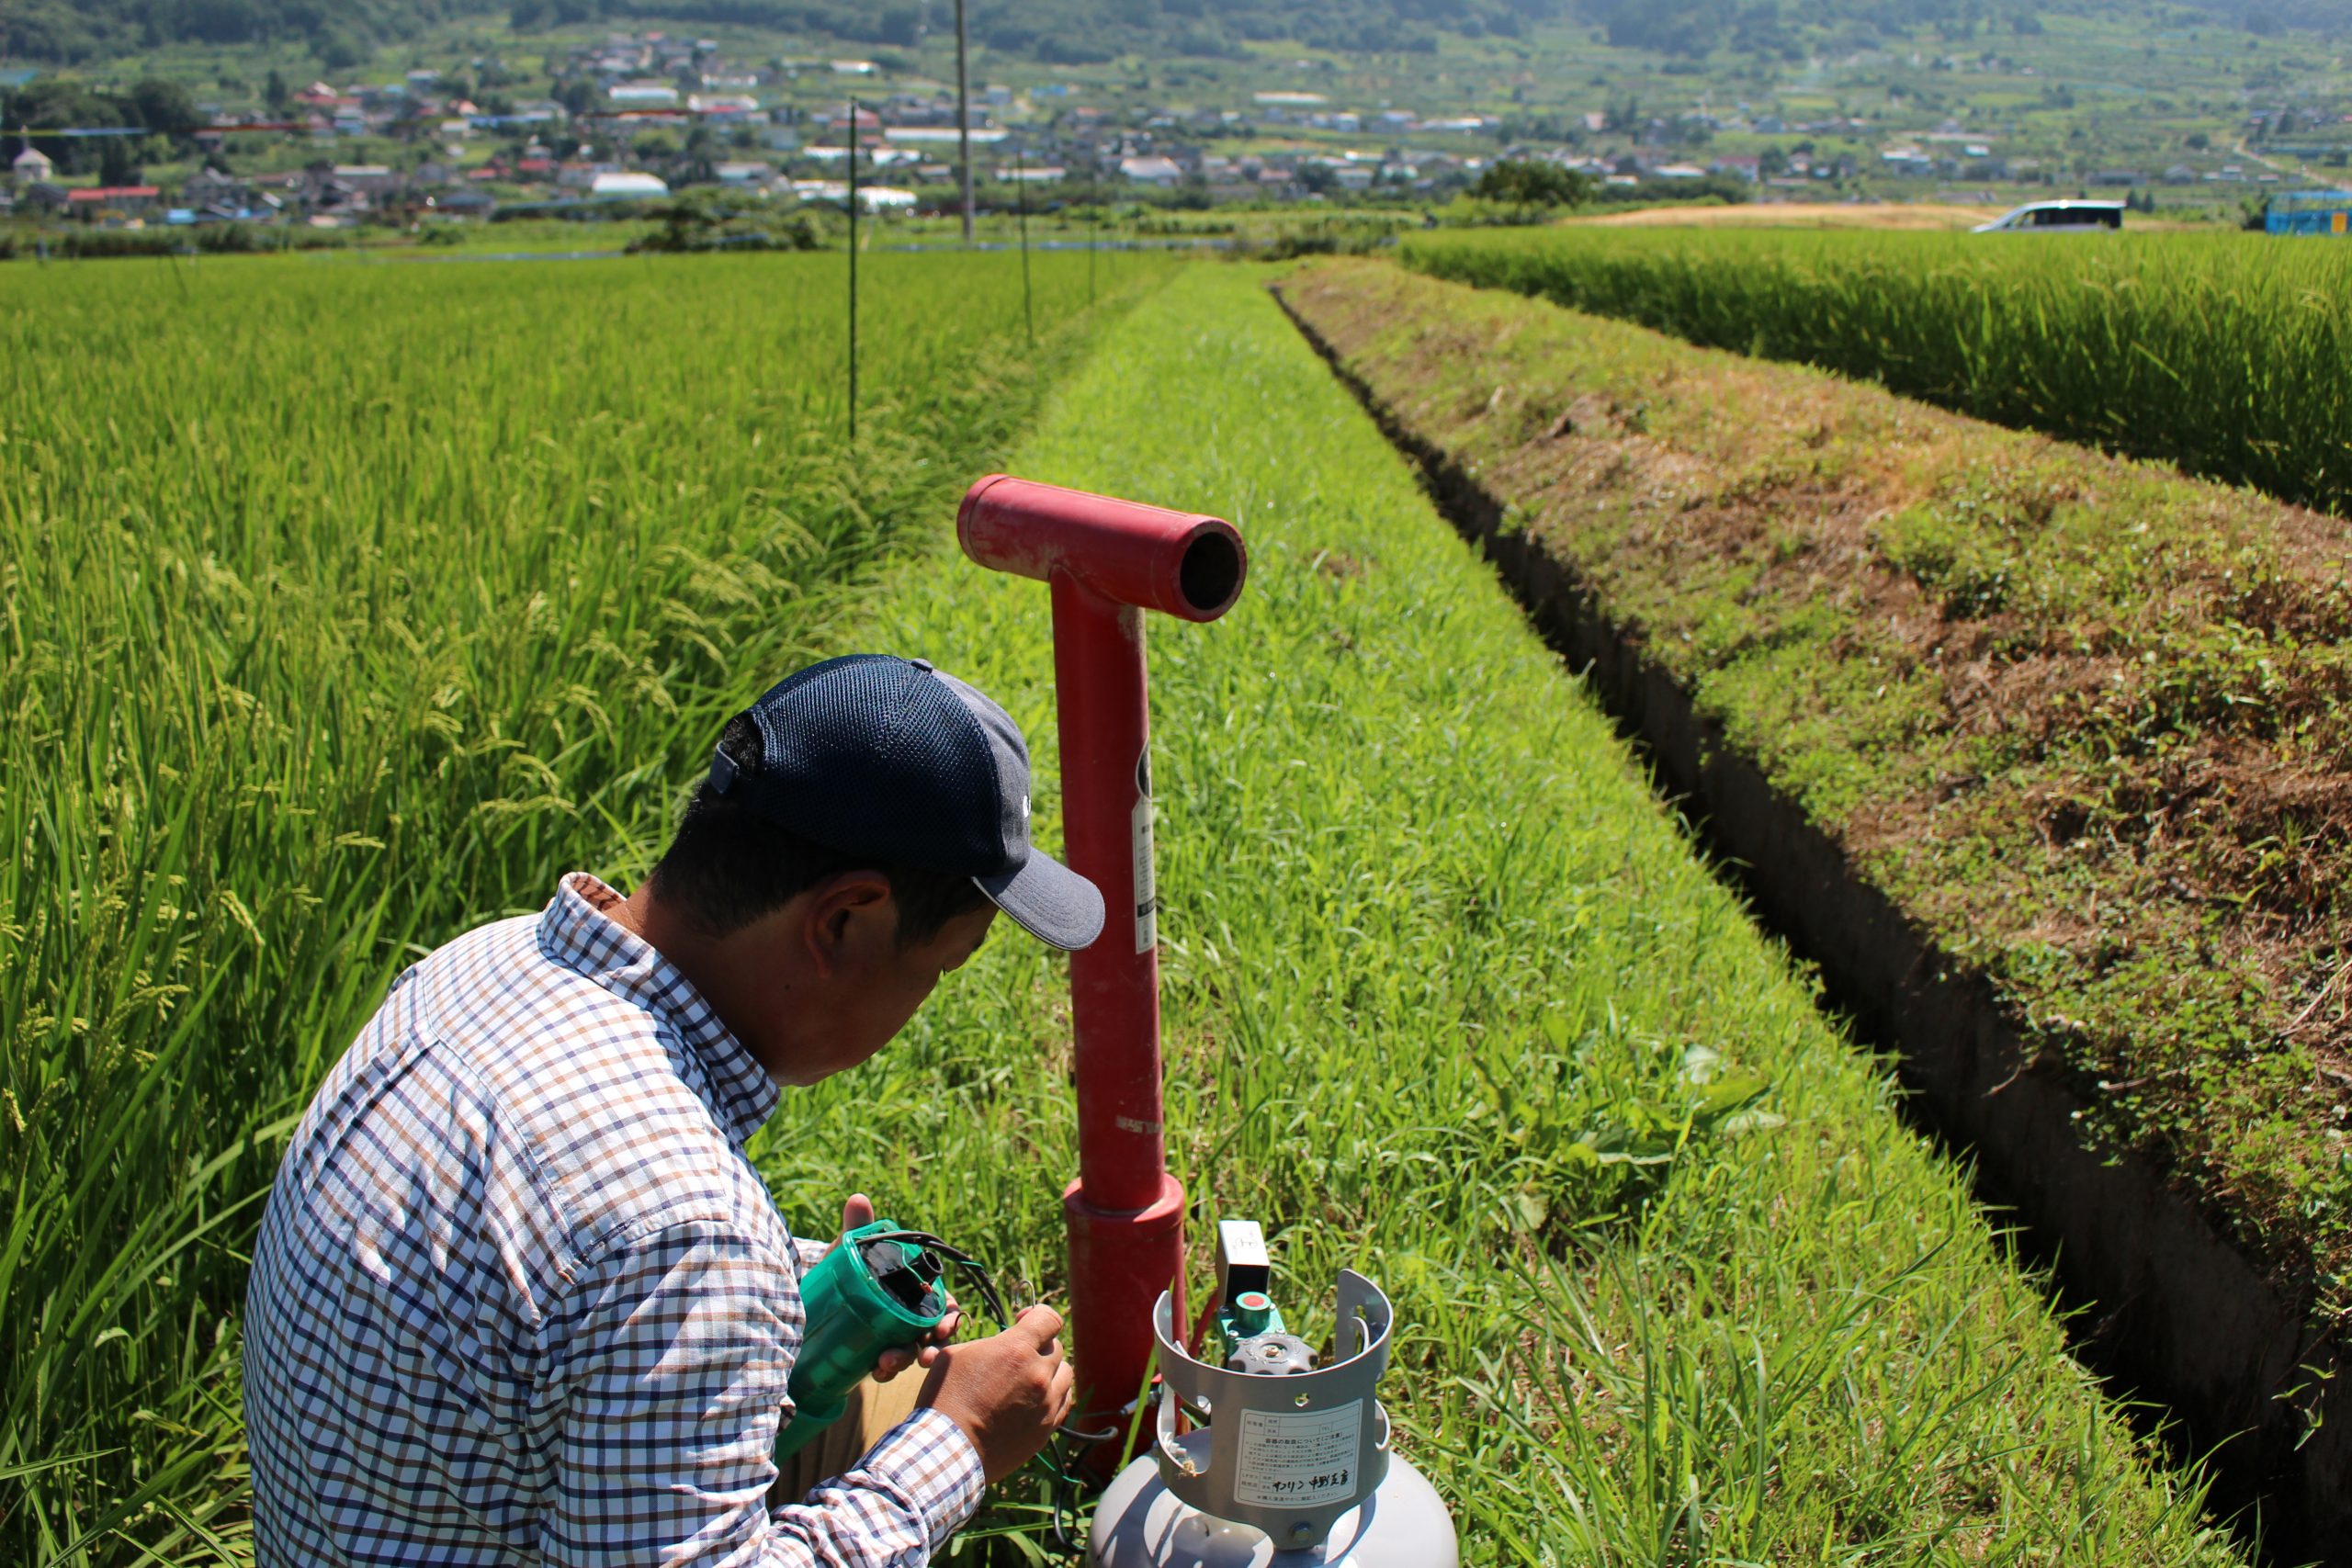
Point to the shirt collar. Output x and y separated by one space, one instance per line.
575 931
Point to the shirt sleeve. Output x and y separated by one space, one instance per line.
671 1363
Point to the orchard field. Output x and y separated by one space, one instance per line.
345 608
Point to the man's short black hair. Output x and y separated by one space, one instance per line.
727 866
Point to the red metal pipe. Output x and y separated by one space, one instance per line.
1107 562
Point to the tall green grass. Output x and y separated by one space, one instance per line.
2223 354
1450 1000
342 608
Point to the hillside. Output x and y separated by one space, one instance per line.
1078 31
1069 31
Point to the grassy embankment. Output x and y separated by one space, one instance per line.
2082 719
1450 1000
341 608
2223 353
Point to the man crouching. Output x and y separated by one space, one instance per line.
520 1298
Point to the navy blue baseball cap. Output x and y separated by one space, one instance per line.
885 757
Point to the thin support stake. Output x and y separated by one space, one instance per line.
853 272
964 116
1028 315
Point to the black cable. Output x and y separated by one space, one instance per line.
1064 1482
961 1258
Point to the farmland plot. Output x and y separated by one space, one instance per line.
2223 354
340 607
1450 1001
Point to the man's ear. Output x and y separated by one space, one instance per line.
842 905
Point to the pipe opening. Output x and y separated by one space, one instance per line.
1210 574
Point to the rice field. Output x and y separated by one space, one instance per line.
2222 354
346 608
342 607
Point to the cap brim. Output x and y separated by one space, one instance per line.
1049 901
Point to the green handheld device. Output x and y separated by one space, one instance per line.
878 1291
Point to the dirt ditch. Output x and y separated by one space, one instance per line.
2238 1352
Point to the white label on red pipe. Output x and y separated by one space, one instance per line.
1146 882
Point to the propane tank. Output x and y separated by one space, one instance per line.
1290 1466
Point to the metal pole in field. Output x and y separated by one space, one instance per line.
963 115
853 272
1093 227
1021 178
1106 562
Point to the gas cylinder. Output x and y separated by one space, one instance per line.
1289 1464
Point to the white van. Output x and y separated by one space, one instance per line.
2057 218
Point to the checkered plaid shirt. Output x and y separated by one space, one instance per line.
520 1298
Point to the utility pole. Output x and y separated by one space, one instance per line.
852 272
1028 311
964 113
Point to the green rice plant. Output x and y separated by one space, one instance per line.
1450 1000
343 606
2223 354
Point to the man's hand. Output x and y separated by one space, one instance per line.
858 1210
1008 1393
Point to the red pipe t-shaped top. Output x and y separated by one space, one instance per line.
1107 562
1180 563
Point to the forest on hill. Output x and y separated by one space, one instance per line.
1074 31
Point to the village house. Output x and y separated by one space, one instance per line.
581 174
726 108
112 204
372 180
1155 170
643 95
210 196
618 187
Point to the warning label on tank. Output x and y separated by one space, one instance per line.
1299 1459
1146 880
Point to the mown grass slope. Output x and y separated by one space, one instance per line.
342 607
2085 720
2223 354
1450 1000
